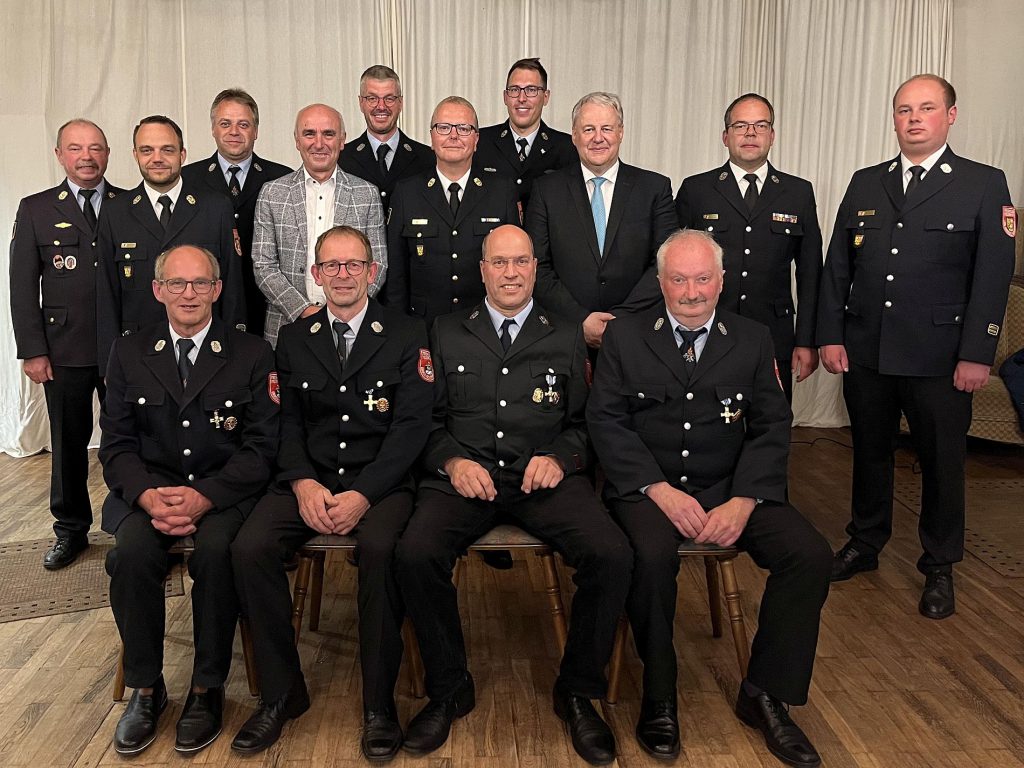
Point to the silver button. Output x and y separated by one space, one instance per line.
888 304
739 395
343 445
380 383
455 255
519 181
502 403
689 395
748 228
894 251
341 470
344 417
191 478
683 479
711 229
186 423
382 194
551 370
743 297
899 225
743 273
342 388
860 224
890 278
142 401
686 425
950 226
455 300
455 277
187 452
461 369
455 232
686 454
305 385
640 395
787 230
500 434
956 319
228 403
236 215
746 251
504 371
501 462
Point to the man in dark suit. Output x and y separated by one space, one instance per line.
163 211
189 433
524 147
382 154
690 423
438 220
765 220
508 439
596 226
54 253
356 387
912 297
238 173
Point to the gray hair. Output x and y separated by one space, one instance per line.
78 121
460 102
161 260
601 98
380 72
686 235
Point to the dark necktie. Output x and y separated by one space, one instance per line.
688 348
382 158
87 209
916 172
233 186
165 211
522 149
184 364
340 329
453 197
750 196
506 335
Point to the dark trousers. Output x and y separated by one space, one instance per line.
138 566
568 516
939 416
781 541
269 538
69 406
255 301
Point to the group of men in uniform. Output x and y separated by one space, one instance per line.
534 258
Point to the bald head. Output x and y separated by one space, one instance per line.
508 269
319 137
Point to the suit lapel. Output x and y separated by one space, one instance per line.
362 153
933 181
213 356
534 329
509 150
717 346
892 182
661 340
143 211
770 190
296 210
253 183
402 159
320 341
437 196
160 358
730 190
577 190
471 197
624 183
479 324
184 211
214 179
368 340
70 211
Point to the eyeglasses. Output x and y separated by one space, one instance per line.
201 286
333 268
443 129
371 100
531 91
761 126
520 262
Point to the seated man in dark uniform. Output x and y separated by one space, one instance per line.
189 435
691 425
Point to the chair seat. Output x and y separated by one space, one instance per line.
690 547
331 541
507 537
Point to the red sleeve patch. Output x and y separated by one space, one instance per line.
274 387
425 366
1010 220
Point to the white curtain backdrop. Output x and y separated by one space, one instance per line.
829 66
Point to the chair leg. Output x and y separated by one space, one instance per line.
714 596
299 595
732 601
248 656
554 592
457 571
119 676
316 591
412 652
618 654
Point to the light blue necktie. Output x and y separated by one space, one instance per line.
597 208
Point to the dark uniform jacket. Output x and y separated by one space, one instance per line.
573 278
328 431
434 258
650 422
130 240
497 150
502 409
411 158
911 289
207 175
760 246
49 228
218 434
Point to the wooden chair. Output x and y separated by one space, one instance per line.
715 558
185 547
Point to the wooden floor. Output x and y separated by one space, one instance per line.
890 688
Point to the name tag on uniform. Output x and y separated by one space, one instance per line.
420 222
710 217
866 213
489 219
788 218
129 245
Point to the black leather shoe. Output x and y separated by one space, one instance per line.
591 737
849 561
264 727
382 735
657 730
64 552
499 559
200 721
429 729
782 736
937 600
136 729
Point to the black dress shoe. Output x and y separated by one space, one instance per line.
264 727
136 729
657 730
499 559
849 561
429 729
200 721
937 600
782 736
591 737
382 735
64 552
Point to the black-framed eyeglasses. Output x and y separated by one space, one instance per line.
202 286
372 100
333 268
761 126
520 262
463 129
531 91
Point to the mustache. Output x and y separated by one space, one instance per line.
692 302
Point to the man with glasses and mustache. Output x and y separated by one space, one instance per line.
439 218
383 154
765 220
524 147
356 386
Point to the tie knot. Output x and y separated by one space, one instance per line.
87 193
507 324
522 144
598 181
689 337
916 171
341 328
750 178
185 346
165 201
453 188
382 151
233 169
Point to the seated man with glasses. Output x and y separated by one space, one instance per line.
524 147
438 220
189 437
355 391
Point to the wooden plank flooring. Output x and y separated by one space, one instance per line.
890 688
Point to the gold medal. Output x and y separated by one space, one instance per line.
538 395
215 346
383 405
230 423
